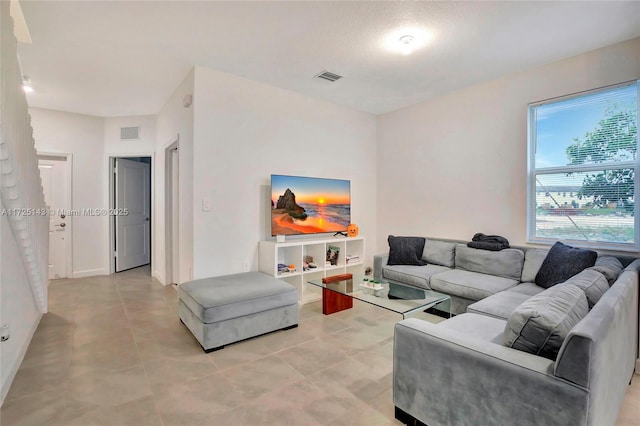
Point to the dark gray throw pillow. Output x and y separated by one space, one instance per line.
563 262
405 250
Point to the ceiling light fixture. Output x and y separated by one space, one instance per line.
26 85
406 44
407 40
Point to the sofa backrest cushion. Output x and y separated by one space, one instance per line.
439 253
542 322
563 262
608 266
533 259
593 283
505 263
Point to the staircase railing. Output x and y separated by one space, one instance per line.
20 184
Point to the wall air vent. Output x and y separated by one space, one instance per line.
329 76
129 133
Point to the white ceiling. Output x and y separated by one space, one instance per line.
125 58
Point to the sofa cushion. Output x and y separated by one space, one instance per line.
608 266
533 259
439 252
418 276
476 326
469 285
542 322
505 263
405 250
593 283
530 289
563 262
500 305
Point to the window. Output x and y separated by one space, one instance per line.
585 146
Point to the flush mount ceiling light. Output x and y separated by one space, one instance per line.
406 44
407 40
26 85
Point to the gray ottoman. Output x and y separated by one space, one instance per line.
230 308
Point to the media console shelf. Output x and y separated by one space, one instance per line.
272 253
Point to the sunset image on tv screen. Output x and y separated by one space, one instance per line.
304 205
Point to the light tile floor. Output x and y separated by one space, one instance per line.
112 352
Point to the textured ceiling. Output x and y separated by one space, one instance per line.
126 58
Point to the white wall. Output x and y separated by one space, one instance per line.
457 165
243 132
24 241
17 306
146 143
82 136
175 121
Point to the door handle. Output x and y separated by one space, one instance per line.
146 219
62 225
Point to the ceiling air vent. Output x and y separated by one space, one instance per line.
329 76
129 133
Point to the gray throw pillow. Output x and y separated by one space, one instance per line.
593 283
542 322
405 250
563 262
608 266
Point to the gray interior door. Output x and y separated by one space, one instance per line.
132 230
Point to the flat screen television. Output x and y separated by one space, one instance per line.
308 205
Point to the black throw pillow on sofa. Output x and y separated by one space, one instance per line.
406 250
563 262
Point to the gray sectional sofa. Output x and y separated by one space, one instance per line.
460 372
467 274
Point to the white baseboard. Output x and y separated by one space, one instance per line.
159 277
89 273
14 368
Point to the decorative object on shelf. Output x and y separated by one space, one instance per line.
352 230
332 255
352 258
336 278
368 270
292 268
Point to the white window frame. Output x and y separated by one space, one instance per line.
532 172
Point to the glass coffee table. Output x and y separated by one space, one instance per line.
399 298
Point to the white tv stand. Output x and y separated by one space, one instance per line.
271 253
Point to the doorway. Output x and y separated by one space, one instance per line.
172 196
56 175
131 212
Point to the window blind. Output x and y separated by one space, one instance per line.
583 169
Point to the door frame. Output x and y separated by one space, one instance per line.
172 236
68 159
111 221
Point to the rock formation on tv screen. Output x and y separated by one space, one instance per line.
287 202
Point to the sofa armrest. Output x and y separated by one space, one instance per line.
445 377
379 260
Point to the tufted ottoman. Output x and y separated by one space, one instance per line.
230 308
